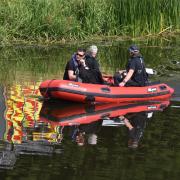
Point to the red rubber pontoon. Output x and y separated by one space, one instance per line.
83 92
77 114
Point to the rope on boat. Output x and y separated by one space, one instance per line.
46 92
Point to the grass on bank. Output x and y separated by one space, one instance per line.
54 21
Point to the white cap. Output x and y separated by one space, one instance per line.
93 49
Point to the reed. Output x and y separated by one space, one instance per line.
48 21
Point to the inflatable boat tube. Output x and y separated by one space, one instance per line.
83 92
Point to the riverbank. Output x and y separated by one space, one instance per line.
60 22
162 37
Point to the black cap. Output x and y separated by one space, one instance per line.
133 48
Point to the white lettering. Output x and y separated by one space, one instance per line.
152 89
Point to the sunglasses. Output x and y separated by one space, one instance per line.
80 55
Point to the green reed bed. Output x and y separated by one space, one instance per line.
61 20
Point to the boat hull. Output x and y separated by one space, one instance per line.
76 114
82 92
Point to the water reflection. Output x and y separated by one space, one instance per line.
27 63
29 126
7 155
43 130
22 110
83 122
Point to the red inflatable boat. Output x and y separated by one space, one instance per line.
83 92
76 114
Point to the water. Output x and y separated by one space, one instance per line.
48 140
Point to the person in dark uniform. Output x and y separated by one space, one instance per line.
91 61
73 66
91 74
135 71
84 67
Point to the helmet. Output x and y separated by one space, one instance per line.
133 48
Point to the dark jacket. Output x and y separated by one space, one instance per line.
92 73
73 65
139 76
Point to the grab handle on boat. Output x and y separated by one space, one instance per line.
163 87
106 89
47 93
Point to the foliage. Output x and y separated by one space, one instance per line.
57 20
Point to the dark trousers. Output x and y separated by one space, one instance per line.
118 78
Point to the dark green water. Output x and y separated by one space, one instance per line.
34 145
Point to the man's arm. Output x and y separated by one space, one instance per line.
127 78
71 75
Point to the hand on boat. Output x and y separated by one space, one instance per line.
122 84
